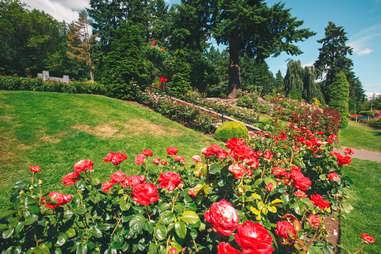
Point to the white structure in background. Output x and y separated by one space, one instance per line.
45 77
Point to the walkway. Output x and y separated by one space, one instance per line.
365 155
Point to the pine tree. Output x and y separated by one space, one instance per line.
310 88
80 41
339 96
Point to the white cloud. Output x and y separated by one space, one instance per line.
59 9
360 40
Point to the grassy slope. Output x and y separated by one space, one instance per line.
366 200
37 129
360 136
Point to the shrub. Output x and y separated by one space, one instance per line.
203 207
375 123
230 130
367 113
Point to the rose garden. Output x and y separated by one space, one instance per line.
162 143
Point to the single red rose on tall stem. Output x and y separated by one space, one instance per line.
35 169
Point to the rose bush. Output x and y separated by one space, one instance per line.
267 194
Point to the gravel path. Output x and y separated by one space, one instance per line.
366 155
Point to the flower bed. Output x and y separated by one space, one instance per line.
271 193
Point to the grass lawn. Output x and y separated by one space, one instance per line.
56 130
365 197
358 135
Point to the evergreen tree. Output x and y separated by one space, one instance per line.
253 28
125 62
333 55
256 77
278 83
80 41
339 96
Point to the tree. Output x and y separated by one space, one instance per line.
256 77
27 38
294 80
125 62
80 41
310 88
333 55
253 28
339 96
278 83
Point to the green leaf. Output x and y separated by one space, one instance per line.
180 229
7 233
42 249
160 232
30 220
124 205
167 217
70 233
190 217
214 169
136 223
152 248
96 232
81 249
34 209
314 250
61 239
68 214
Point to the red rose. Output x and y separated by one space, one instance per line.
134 180
367 238
192 192
223 217
259 153
253 238
237 169
300 181
180 159
115 158
349 151
172 251
196 158
71 178
58 199
147 152
205 151
226 248
279 171
154 42
83 165
333 177
285 229
145 193
268 155
118 177
234 142
106 186
300 194
172 151
164 163
169 180
295 168
140 159
270 187
319 201
314 221
35 169
156 161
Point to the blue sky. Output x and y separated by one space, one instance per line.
361 20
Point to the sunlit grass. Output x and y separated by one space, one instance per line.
56 130
360 136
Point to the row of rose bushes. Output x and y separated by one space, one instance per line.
268 194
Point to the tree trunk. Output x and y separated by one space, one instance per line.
234 68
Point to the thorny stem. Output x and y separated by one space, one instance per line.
243 194
195 246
